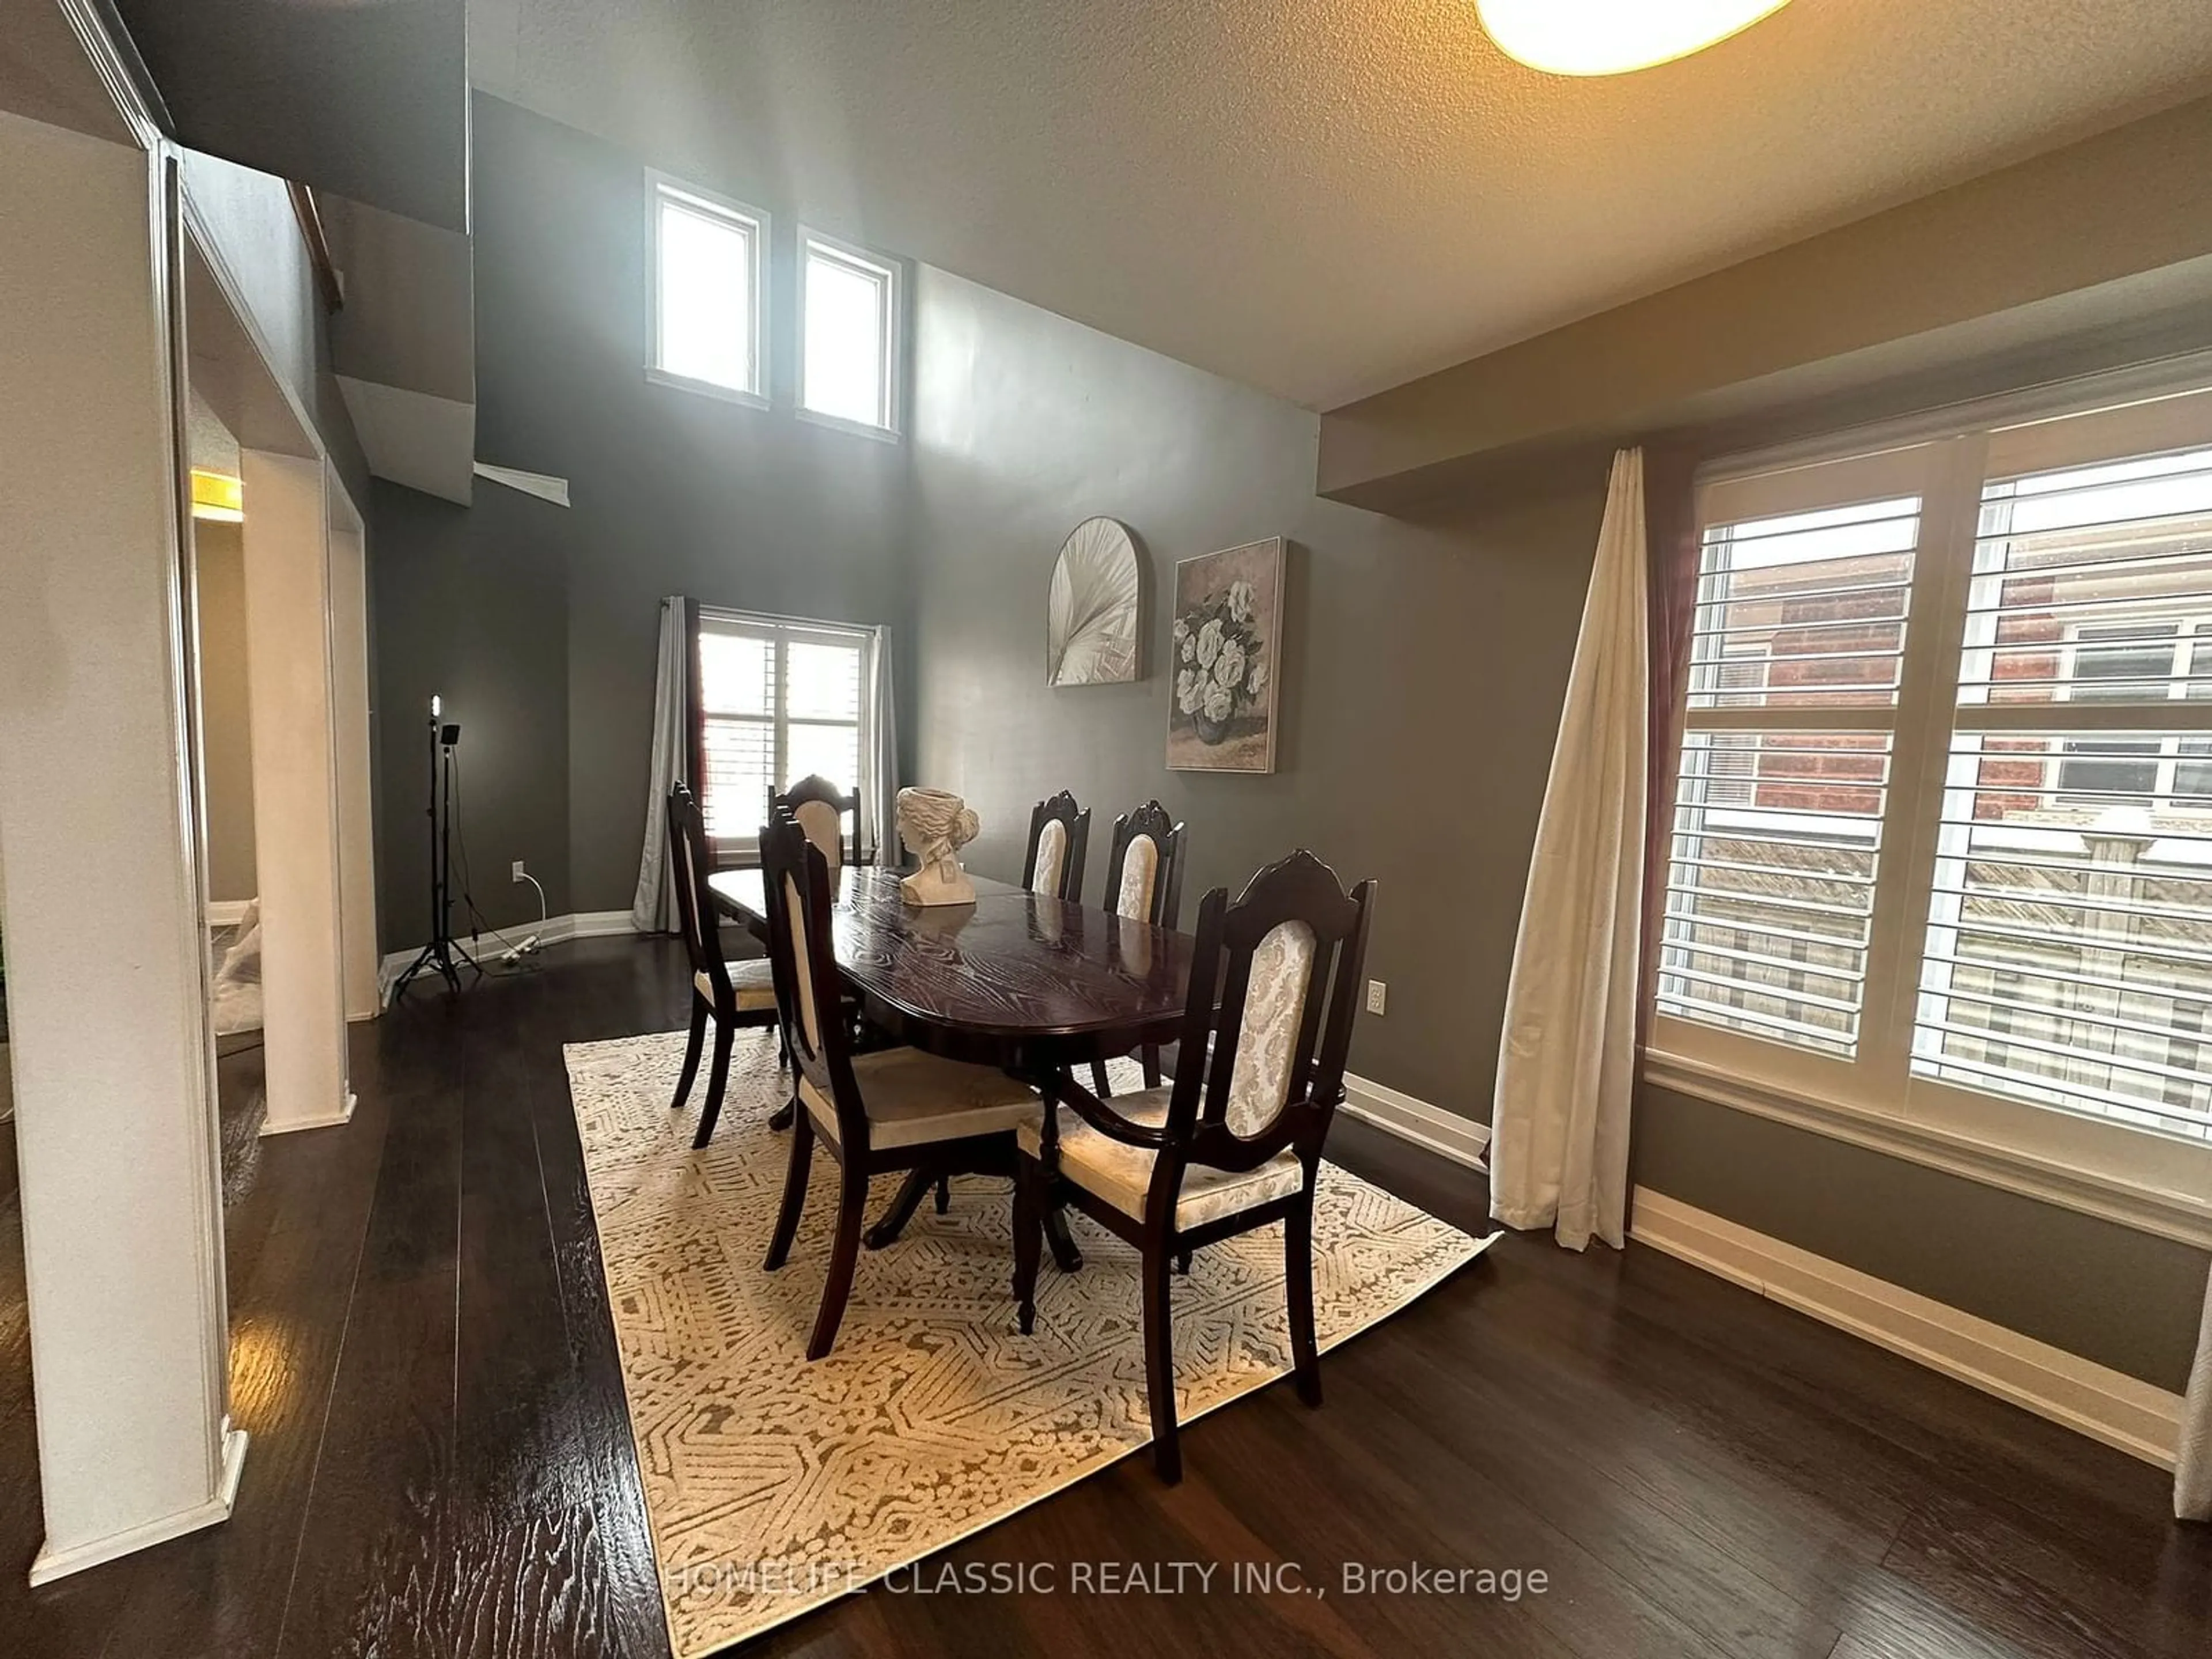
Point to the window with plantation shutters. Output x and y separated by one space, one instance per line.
1794 665
2069 943
1941 848
777 700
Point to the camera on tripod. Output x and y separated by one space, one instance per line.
443 952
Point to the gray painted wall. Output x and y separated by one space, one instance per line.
1422 688
546 618
1420 682
409 316
1424 670
368 100
2125 1298
471 605
225 725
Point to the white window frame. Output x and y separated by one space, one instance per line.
755 224
2155 1182
780 632
890 428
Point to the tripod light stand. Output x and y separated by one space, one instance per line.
442 952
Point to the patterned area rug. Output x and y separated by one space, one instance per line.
774 1486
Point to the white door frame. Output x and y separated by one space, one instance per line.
113 1045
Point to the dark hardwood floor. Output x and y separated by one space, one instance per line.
441 1465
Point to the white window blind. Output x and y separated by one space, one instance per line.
708 295
1942 844
779 701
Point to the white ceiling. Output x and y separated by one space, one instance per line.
1325 198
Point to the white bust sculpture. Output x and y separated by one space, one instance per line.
934 824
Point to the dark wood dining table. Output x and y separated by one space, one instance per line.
1028 984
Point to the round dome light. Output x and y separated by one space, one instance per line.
1611 37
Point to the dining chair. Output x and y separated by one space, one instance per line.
1059 831
1144 883
732 994
1234 1143
820 808
890 1110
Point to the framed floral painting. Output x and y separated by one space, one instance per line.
1225 659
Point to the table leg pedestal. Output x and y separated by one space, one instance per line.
1064 1253
1065 1256
917 1186
893 1221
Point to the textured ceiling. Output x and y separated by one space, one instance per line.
1324 198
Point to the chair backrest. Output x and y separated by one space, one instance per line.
1270 1056
820 809
1143 877
689 864
802 956
1059 832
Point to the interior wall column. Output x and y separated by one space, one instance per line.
107 952
356 809
295 791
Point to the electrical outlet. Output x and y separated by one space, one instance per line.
518 873
1376 992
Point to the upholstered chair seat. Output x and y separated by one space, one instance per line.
754 981
914 1098
1122 1174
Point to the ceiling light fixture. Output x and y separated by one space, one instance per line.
1611 37
217 496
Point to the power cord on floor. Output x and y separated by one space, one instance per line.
513 953
516 956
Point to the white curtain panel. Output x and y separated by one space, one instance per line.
1566 1061
879 805
652 910
2192 1471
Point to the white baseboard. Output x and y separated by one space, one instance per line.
226 913
328 1120
1461 1139
597 924
554 930
2107 1405
52 1563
